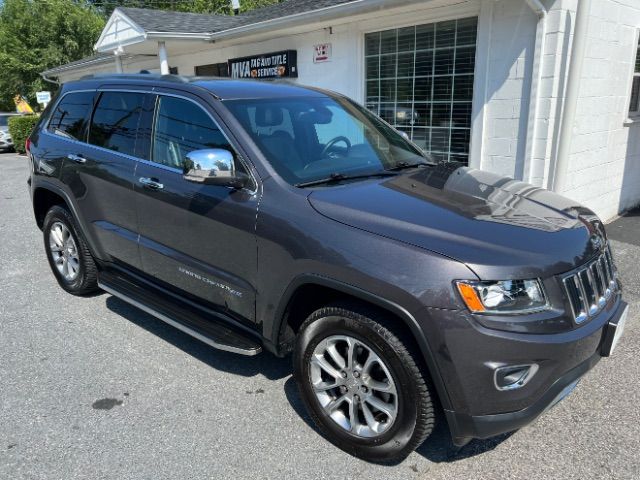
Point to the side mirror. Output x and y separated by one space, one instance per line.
214 166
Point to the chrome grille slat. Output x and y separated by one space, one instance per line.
605 270
589 287
602 281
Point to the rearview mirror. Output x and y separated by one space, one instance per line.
213 166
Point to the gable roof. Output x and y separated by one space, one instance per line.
178 22
129 25
167 21
286 8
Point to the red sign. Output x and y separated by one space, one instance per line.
321 53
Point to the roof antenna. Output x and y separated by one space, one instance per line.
235 6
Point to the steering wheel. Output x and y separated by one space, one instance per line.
332 142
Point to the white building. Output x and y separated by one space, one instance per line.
545 91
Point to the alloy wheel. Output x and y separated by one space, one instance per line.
354 386
64 251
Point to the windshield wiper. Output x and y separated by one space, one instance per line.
338 177
403 165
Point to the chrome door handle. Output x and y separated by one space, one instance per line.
76 158
147 182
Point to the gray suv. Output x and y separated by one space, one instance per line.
269 216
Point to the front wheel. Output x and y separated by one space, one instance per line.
361 384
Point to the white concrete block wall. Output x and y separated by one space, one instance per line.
508 79
340 74
605 150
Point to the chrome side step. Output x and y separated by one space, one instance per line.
214 333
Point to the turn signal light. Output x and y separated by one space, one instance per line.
470 297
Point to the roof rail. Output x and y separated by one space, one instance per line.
136 76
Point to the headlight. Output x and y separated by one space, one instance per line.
501 297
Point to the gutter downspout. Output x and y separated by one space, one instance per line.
47 79
560 175
536 79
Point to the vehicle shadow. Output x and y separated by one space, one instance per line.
265 364
437 448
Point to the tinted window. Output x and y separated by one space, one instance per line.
115 121
71 115
181 126
4 120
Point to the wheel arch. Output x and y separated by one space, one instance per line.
327 289
43 199
45 195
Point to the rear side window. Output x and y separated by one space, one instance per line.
71 115
181 127
115 121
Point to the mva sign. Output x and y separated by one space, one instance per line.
266 65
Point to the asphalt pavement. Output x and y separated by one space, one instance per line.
93 388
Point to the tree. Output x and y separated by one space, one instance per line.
39 34
219 7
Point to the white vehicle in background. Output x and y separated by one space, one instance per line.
6 143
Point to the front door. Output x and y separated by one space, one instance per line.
197 238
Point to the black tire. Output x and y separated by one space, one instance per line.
86 281
415 415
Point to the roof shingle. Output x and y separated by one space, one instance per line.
174 22
166 21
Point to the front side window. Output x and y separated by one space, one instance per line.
634 107
307 139
181 127
71 115
115 121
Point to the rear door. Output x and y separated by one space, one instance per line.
64 134
99 173
197 238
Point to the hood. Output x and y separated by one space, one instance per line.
499 227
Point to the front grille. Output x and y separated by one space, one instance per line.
590 287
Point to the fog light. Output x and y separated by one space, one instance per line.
514 376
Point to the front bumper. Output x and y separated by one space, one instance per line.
466 427
468 357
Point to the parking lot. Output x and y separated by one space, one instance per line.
94 388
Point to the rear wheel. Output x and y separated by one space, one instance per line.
67 252
361 383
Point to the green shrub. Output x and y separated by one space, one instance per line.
20 128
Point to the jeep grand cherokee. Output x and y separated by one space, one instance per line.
272 216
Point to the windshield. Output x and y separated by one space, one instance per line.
4 120
308 139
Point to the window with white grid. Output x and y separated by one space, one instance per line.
420 80
634 106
